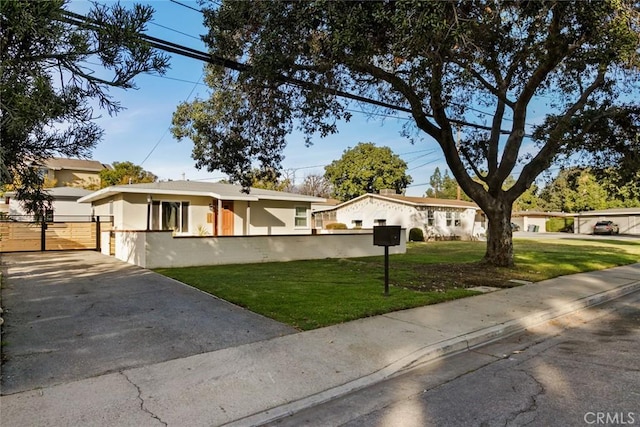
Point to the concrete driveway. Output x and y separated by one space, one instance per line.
76 315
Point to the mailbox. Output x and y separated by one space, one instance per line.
386 235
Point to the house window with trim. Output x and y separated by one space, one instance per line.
430 218
357 223
170 216
48 216
453 219
301 217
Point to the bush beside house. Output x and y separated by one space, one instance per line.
336 226
416 235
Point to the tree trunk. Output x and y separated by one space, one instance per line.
499 238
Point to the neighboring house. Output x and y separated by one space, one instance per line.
62 172
535 221
66 179
320 221
436 217
65 205
191 208
627 219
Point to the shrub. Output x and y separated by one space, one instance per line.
336 226
555 225
416 235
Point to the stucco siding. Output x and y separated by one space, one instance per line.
628 224
445 222
158 249
275 217
76 178
369 210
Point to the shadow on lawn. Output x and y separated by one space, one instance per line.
534 261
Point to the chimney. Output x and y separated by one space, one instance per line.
387 192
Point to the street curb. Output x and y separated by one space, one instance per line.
433 352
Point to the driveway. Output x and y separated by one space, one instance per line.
75 315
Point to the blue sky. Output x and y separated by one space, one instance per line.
140 133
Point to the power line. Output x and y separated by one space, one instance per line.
185 5
167 130
178 49
174 30
424 164
198 83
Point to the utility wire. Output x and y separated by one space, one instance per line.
177 49
186 5
174 30
167 130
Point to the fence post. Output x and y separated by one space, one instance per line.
98 248
43 229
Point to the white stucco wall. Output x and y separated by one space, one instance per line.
160 249
266 217
277 217
527 221
63 210
368 210
628 224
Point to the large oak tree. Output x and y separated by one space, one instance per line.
440 61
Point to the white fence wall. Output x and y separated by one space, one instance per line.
157 249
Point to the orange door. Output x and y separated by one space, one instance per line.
227 219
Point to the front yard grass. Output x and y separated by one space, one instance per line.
317 293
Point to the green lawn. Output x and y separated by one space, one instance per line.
312 294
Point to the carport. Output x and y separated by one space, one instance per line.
628 220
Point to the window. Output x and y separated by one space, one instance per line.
453 219
48 216
155 215
184 216
357 223
381 222
170 216
301 216
430 218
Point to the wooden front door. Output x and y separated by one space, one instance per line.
227 218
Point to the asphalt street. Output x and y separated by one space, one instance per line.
580 370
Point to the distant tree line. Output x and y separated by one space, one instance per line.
574 189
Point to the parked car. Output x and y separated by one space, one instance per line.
605 227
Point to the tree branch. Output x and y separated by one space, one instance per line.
417 107
491 88
545 156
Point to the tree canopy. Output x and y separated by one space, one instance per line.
315 185
581 189
47 83
444 187
304 64
124 173
270 180
366 168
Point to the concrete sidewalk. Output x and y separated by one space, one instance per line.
260 382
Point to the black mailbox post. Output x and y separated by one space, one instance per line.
386 235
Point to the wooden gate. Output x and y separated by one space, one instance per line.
30 236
